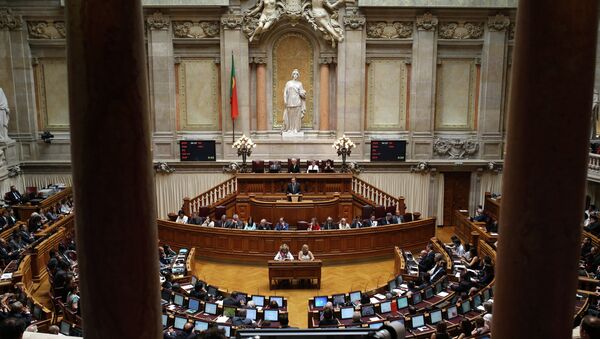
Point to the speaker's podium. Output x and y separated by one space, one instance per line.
294 197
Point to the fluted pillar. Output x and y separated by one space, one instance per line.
324 94
545 169
261 94
112 163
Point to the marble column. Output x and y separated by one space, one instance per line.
234 42
324 94
261 94
108 98
162 85
423 86
536 271
493 70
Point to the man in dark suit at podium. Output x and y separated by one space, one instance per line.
293 187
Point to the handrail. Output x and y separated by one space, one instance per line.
594 162
210 197
375 196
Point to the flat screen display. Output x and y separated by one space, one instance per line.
386 307
436 316
320 301
65 327
229 311
178 299
197 150
200 326
339 299
251 313
165 318
465 307
278 300
391 285
375 325
402 302
259 300
355 296
418 321
367 310
210 308
179 322
272 315
347 312
416 298
452 312
476 301
194 304
486 294
388 150
227 330
428 293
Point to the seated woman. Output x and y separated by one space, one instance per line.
305 254
474 263
208 223
441 331
313 167
284 253
250 225
181 217
344 225
328 168
314 225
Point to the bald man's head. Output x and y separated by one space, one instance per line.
188 327
590 327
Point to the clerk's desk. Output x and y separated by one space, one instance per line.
296 269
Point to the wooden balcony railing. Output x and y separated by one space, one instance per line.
594 162
210 197
374 195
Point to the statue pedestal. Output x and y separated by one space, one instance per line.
9 146
291 135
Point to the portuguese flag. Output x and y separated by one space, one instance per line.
233 99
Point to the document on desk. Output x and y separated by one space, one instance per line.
6 276
222 319
374 319
380 296
442 294
374 300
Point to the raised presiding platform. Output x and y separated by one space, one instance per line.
294 270
261 246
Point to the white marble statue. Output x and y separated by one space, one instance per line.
269 15
4 116
294 97
323 16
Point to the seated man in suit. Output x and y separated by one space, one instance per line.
294 166
274 167
195 219
263 225
13 196
236 222
293 187
390 219
356 223
373 221
328 224
221 222
282 225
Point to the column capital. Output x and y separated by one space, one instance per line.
326 60
498 23
232 21
10 21
427 22
158 21
355 20
259 60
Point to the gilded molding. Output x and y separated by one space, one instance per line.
426 22
46 29
158 21
498 23
389 30
232 21
461 30
10 21
196 30
354 21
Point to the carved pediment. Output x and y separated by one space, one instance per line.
455 148
46 29
461 30
389 30
195 30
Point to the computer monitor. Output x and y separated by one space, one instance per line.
200 326
210 308
65 327
392 285
435 316
229 311
376 325
428 293
178 299
385 307
486 294
347 312
278 300
416 298
194 280
438 288
476 301
451 312
194 304
251 313
402 302
339 299
271 315
417 321
165 319
165 295
179 322
259 300
465 307
320 301
227 330
355 296
212 291
367 310
76 332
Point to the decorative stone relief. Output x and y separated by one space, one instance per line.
461 30
47 29
195 30
259 60
232 21
354 20
10 21
327 60
389 30
455 148
427 22
511 30
158 21
498 22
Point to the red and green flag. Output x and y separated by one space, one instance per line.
233 99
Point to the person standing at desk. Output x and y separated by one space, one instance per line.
294 166
293 187
284 253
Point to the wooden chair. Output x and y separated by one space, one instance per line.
258 166
302 226
219 211
204 211
416 216
391 209
408 217
367 210
379 212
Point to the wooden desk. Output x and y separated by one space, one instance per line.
317 183
297 269
470 231
25 211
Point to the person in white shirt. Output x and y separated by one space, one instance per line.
208 223
250 225
181 218
313 167
305 254
344 225
284 253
